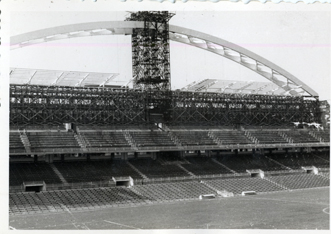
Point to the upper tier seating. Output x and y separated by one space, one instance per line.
15 143
47 141
267 137
241 163
325 135
153 168
116 127
104 139
232 137
82 171
20 172
194 138
199 127
301 181
238 185
300 136
204 166
264 127
35 127
151 139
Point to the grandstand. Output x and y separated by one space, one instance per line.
85 141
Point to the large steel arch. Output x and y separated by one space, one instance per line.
238 54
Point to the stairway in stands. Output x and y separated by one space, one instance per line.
139 172
130 140
187 171
221 164
26 142
80 141
58 173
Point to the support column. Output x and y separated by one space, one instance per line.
35 158
153 155
62 157
49 158
124 156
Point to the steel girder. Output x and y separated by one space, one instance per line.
150 51
58 105
244 57
231 109
86 106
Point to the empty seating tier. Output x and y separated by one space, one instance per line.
115 127
231 137
238 185
241 163
298 160
151 139
204 166
15 143
20 172
72 199
174 191
104 139
193 138
300 136
154 169
82 171
48 141
267 137
324 135
301 181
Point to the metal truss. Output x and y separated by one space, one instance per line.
57 105
87 106
150 51
242 109
282 78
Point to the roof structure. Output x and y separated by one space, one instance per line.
232 86
219 46
63 78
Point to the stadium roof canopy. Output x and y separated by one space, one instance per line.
63 78
232 86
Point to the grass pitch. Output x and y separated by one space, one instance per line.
298 209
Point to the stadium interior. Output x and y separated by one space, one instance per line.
83 141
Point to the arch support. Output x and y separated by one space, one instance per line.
244 57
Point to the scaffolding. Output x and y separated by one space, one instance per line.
150 50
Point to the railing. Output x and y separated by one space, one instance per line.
173 148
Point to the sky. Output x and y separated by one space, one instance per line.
299 42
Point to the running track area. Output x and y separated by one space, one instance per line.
299 209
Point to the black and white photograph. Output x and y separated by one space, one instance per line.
169 119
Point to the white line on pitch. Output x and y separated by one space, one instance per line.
121 224
324 210
274 199
11 228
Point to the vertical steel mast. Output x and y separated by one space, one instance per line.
150 51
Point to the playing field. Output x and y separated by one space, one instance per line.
300 209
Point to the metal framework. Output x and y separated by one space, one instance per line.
87 106
57 105
150 50
242 109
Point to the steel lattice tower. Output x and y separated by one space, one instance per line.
150 51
